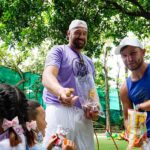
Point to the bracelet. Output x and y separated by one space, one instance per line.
137 107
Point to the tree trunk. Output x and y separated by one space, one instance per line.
108 124
120 106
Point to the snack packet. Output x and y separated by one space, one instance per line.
88 95
61 135
136 128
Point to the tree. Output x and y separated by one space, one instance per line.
22 21
131 8
107 99
117 87
30 22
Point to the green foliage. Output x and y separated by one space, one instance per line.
29 22
26 24
22 21
100 79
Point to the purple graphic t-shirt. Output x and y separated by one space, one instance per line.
71 66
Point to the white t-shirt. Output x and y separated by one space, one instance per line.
5 144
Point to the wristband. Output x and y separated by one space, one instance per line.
137 107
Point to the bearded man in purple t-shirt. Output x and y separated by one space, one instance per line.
66 76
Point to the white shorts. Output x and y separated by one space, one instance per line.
72 118
146 145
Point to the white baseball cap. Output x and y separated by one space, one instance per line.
77 23
128 41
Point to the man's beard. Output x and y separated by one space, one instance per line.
78 45
139 64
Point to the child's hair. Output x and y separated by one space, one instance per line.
13 103
32 109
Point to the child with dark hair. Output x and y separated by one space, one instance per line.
37 113
13 117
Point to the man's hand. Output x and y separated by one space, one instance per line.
91 114
66 97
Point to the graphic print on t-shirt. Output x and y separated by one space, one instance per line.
80 68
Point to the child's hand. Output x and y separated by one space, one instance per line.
68 145
52 142
138 142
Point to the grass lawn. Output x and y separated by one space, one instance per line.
107 144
